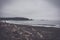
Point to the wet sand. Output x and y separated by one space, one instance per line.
25 32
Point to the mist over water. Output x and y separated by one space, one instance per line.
35 9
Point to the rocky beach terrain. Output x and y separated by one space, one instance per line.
25 32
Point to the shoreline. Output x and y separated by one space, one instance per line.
25 32
35 25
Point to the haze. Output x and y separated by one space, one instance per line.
35 9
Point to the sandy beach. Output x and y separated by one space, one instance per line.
25 32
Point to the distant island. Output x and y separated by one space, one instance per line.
14 18
43 20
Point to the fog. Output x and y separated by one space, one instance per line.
35 9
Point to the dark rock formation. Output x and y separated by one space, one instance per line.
15 18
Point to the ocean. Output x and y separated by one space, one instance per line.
51 23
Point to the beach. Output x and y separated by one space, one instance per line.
9 31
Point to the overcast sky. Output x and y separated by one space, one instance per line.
35 9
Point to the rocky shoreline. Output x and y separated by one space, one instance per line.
25 32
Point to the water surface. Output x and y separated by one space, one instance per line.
37 23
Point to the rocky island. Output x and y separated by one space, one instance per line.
14 18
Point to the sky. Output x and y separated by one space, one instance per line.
35 9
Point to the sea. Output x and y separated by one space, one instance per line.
38 23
